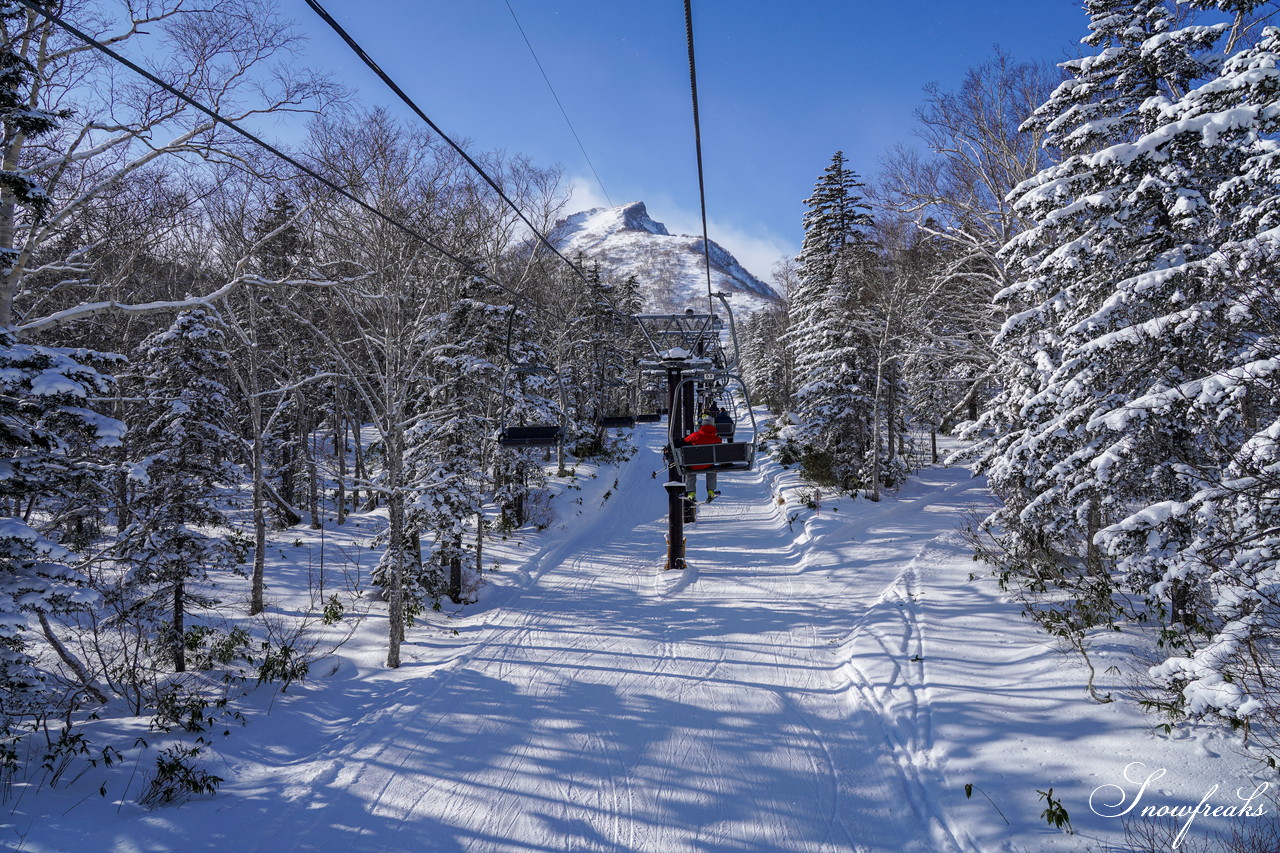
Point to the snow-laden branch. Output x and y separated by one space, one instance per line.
81 312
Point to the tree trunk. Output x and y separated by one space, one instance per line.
124 513
289 461
875 433
291 516
69 659
455 571
340 452
1093 554
306 441
395 549
362 476
892 433
258 582
8 219
179 628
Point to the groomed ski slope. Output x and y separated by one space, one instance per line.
615 706
816 681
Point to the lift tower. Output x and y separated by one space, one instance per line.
688 350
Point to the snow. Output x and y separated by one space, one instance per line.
51 383
823 679
626 241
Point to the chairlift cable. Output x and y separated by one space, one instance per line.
400 93
56 19
697 141
552 89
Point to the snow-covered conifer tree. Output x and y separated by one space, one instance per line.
767 361
49 435
451 440
834 395
1098 221
48 428
1201 419
183 450
1137 363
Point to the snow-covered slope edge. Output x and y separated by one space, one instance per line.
967 691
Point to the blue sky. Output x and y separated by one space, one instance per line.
782 86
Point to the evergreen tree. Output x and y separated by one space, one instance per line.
1200 421
48 429
1098 221
767 360
49 437
184 450
1135 308
448 447
834 394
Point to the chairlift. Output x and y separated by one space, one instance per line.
726 402
651 410
618 421
726 456
527 435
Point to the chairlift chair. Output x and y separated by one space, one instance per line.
651 410
726 456
620 421
527 435
726 401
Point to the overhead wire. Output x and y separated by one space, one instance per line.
409 102
470 267
466 265
697 141
547 79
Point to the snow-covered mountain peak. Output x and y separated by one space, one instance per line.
626 241
599 223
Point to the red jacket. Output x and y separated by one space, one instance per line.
705 434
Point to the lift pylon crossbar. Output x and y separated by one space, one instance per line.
697 334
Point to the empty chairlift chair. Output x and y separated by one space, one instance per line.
651 411
620 420
527 435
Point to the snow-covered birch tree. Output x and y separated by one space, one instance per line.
957 194
118 129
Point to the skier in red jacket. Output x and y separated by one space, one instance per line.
704 434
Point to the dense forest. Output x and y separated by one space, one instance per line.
1080 279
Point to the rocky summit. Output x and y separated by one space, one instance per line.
670 268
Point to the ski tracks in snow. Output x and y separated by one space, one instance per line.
876 559
773 696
